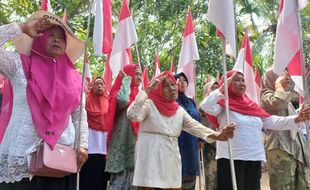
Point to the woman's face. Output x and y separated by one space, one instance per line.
170 90
237 84
285 79
56 42
182 84
137 77
99 86
215 86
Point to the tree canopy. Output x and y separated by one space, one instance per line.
160 24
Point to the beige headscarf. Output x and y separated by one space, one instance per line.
207 87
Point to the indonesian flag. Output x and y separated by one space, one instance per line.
65 16
107 76
46 5
189 53
156 65
125 36
145 78
221 14
102 37
7 105
258 82
287 44
245 65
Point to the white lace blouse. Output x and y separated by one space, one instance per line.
21 138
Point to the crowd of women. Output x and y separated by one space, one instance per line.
130 138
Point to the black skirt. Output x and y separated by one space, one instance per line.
42 183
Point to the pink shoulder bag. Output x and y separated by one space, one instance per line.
59 162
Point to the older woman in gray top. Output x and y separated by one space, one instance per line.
287 153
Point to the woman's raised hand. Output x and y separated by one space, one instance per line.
303 114
35 27
155 83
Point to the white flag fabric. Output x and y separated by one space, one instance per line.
287 44
189 53
102 36
245 65
221 13
124 38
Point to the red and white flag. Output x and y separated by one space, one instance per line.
124 38
65 16
189 53
46 5
245 65
107 75
287 44
145 78
156 65
221 14
102 37
258 82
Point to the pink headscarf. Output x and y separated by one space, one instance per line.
53 90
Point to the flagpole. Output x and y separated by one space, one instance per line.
302 59
232 166
82 91
303 68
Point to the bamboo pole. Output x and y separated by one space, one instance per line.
82 91
232 166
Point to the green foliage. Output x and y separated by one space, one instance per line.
160 25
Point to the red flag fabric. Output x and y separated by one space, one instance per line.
145 78
107 76
287 44
65 16
124 38
46 6
189 53
258 79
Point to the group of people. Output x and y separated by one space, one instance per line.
140 139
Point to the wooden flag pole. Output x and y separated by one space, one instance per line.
303 69
232 166
82 91
302 59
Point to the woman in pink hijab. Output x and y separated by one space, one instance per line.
46 99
